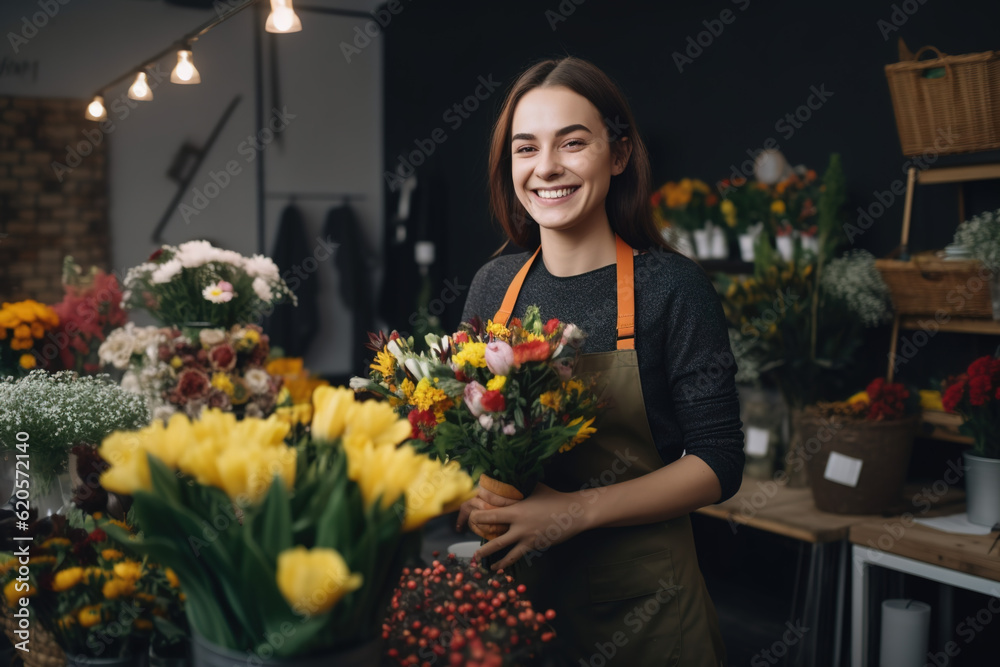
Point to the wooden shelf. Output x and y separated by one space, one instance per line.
953 324
977 172
940 425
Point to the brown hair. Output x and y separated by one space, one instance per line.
627 203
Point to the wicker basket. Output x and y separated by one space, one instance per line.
45 652
926 285
962 106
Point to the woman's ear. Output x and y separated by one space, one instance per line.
621 151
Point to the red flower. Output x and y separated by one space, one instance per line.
461 337
192 383
422 423
493 401
515 322
156 255
953 394
536 350
222 357
97 535
551 326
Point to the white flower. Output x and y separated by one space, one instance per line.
130 382
164 411
144 338
210 337
486 421
220 292
262 289
413 365
358 383
166 272
196 253
258 381
116 349
259 266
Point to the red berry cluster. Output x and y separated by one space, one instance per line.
887 399
457 614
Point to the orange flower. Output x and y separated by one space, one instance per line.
536 350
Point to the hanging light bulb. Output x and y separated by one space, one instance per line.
282 17
96 110
185 71
140 89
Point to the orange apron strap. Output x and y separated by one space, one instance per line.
626 295
510 298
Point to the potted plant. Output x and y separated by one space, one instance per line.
973 395
689 206
858 450
23 326
287 552
980 236
54 412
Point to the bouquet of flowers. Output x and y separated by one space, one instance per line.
22 326
744 204
501 401
60 410
197 283
880 401
975 395
463 613
219 368
794 203
686 204
264 536
89 595
90 309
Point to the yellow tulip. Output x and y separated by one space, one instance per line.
129 471
67 579
246 474
379 422
332 409
930 400
312 581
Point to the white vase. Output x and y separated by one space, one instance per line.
982 489
747 242
786 247
703 243
810 242
55 499
720 245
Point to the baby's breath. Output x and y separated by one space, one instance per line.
854 280
981 235
60 410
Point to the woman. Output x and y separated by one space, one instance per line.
606 540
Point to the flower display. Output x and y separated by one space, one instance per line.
23 325
744 204
462 614
879 401
94 599
196 282
686 204
295 398
264 530
975 395
61 410
795 202
497 400
218 368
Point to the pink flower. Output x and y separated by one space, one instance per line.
474 398
220 292
499 357
564 368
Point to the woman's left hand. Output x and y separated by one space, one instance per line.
545 518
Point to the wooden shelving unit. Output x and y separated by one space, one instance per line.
970 325
944 426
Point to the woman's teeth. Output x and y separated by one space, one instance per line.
555 194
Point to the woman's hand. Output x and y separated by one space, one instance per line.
486 500
543 519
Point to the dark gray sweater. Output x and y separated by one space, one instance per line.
686 364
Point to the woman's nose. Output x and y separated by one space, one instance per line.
548 165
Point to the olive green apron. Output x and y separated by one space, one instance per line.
627 595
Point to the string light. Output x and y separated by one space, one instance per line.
282 17
140 89
185 72
96 110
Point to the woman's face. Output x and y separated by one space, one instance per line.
561 161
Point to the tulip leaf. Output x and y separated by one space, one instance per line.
276 534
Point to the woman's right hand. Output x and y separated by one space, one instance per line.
485 500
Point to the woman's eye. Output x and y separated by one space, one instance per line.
574 143
523 149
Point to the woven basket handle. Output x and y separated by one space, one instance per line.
929 48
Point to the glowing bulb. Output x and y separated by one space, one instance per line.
185 71
96 110
282 17
140 90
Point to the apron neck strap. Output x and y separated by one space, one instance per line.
626 293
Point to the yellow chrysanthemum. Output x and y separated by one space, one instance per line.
426 395
176 362
89 616
384 363
496 383
728 209
112 554
585 432
407 387
27 361
473 354
56 542
551 399
498 330
67 579
778 207
172 578
116 588
224 383
128 570
312 581
15 590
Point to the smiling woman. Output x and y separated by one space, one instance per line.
609 547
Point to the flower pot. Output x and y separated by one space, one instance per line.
810 242
720 246
86 661
747 242
879 451
786 247
982 489
703 243
206 654
55 499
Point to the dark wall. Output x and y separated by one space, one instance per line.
697 122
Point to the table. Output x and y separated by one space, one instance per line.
963 561
775 508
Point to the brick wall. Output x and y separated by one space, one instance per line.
49 210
